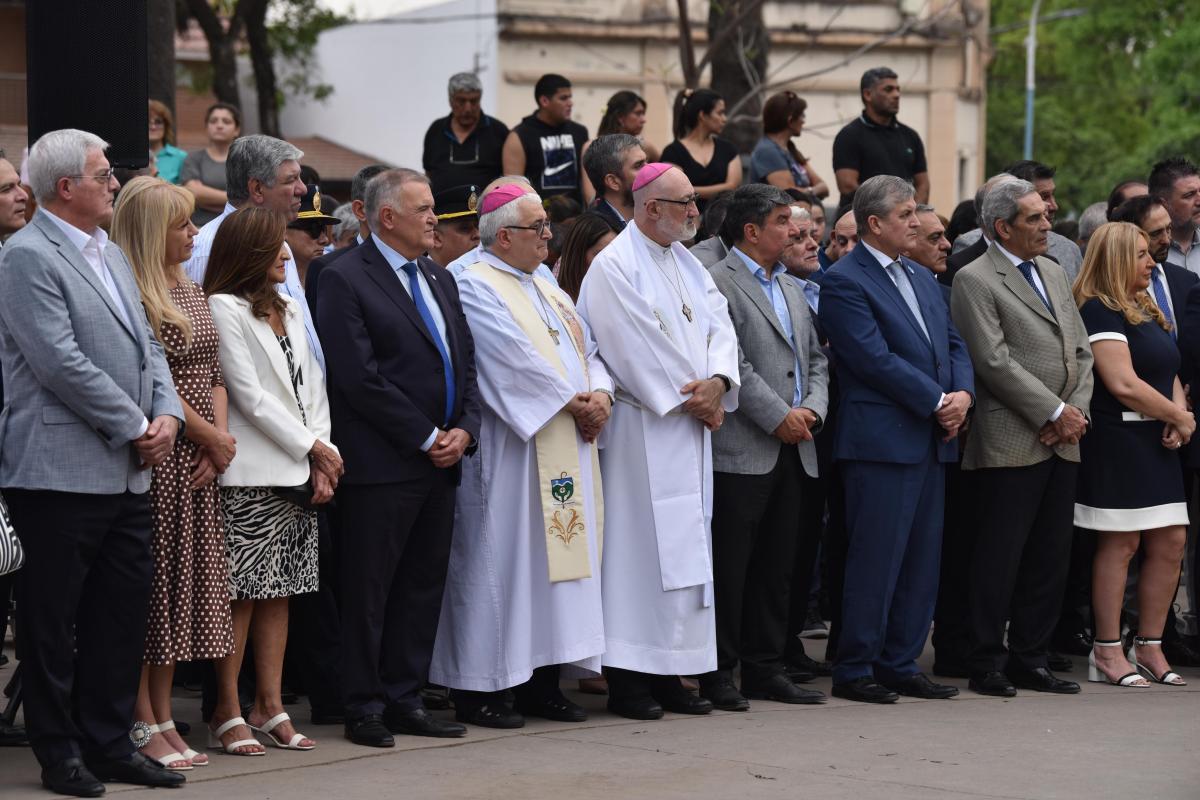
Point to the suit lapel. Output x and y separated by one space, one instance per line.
1017 284
876 273
382 273
753 289
75 258
266 339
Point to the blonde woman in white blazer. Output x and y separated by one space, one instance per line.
285 463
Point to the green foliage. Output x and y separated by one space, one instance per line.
293 29
1115 91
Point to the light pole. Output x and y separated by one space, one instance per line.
1030 76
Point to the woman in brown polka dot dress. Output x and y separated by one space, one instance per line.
189 614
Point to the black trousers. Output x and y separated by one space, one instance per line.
754 524
82 601
315 626
951 615
1019 565
813 493
395 548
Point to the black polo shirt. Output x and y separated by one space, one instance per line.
475 161
872 149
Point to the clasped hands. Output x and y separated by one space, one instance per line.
704 402
448 448
952 415
591 411
796 426
212 458
1176 435
158 441
1067 429
325 467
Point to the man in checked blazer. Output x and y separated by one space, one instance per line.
761 452
1033 370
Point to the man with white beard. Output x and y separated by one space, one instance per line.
523 586
663 330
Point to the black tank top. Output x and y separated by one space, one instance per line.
552 156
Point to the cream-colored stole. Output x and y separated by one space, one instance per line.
563 517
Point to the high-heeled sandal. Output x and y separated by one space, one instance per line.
170 758
269 726
1130 680
188 753
215 743
1170 678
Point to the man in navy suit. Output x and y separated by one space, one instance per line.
405 408
906 386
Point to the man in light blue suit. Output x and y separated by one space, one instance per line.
89 406
906 386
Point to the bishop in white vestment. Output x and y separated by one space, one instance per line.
523 587
663 330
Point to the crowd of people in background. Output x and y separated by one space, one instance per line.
557 407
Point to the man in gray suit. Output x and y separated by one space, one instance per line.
1033 373
761 452
89 407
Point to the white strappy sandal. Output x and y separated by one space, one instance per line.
188 753
275 722
1170 677
170 758
215 743
1130 680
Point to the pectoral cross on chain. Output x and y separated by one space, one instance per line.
553 334
687 312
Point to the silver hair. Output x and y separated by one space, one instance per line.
346 220
925 208
801 214
384 190
59 154
877 196
492 222
464 82
1000 203
1092 218
988 185
255 157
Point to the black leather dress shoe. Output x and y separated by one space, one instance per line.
419 722
1058 662
435 698
802 668
865 690
920 686
134 768
780 689
634 706
1041 679
554 706
70 776
369 731
993 684
489 715
720 691
1078 643
671 695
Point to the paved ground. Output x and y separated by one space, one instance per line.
1106 743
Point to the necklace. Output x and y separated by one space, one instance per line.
547 316
677 284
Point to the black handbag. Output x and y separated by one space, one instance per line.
300 496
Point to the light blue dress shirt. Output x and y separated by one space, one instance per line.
774 292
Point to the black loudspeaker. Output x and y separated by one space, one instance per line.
87 70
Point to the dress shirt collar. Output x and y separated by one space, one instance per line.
1195 242
756 269
78 237
884 260
1016 262
358 238
502 265
394 259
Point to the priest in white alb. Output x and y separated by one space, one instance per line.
663 330
523 588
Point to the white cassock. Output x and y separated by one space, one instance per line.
656 458
501 616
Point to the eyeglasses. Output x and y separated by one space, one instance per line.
538 227
103 177
694 200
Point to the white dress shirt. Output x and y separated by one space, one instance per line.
1041 287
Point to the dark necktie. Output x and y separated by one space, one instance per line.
1160 297
1026 268
410 269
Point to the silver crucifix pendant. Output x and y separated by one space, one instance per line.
687 312
553 334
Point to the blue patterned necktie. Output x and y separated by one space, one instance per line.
900 276
1026 268
410 269
1160 297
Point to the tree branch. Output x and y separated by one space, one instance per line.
747 8
687 53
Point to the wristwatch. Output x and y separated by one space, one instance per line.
728 383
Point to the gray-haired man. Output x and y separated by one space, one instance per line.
611 163
463 148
